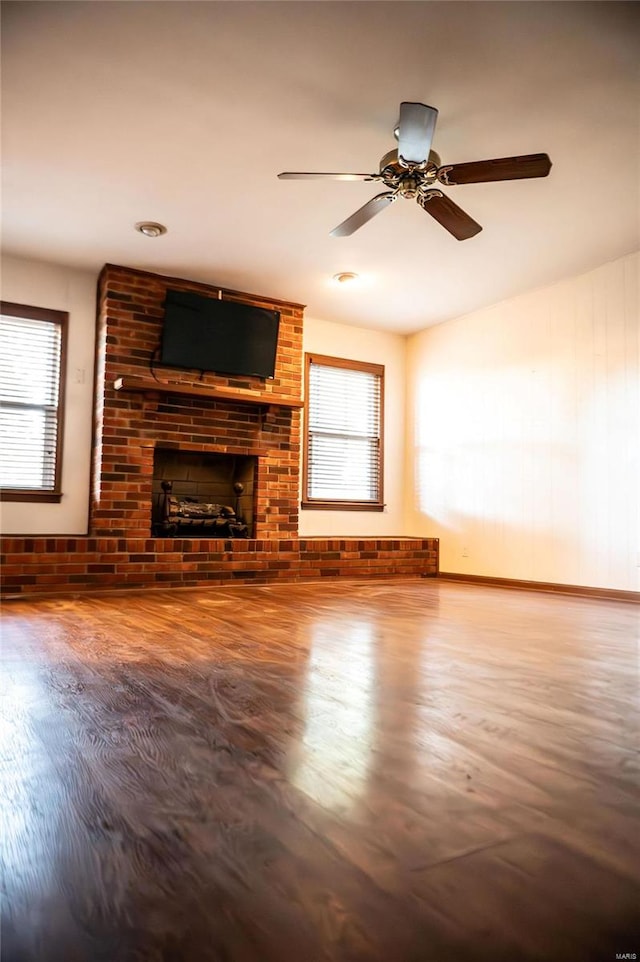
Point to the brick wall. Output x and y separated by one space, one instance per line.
129 425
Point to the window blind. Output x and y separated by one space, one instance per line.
343 434
30 359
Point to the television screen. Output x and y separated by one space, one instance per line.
222 336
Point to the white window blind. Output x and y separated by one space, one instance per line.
30 364
343 437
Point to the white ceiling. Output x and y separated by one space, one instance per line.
184 113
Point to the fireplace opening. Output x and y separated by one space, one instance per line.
197 495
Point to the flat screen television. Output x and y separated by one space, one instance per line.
217 335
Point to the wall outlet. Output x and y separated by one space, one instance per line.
465 551
79 375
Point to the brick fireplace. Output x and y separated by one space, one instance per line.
151 420
228 420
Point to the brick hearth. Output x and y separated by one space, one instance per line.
55 565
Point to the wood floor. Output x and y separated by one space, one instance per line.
398 772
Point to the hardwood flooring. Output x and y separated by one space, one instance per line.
380 772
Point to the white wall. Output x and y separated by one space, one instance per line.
48 285
377 347
524 434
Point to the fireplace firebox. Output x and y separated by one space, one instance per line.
198 495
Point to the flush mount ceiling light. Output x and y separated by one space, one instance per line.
346 277
150 229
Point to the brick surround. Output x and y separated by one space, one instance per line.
119 552
130 425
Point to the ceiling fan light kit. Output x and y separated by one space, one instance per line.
412 170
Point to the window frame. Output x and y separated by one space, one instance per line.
61 318
341 505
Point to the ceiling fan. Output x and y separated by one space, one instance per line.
414 168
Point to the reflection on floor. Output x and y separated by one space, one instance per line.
398 772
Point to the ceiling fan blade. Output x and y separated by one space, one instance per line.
415 131
452 217
504 168
364 214
306 175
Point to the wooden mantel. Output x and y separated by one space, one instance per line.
147 385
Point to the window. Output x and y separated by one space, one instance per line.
32 357
343 434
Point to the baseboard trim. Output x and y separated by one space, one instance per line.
609 594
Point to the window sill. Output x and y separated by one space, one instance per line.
15 494
342 506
